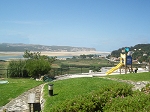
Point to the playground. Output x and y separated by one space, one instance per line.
125 64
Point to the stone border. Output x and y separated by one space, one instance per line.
136 85
20 103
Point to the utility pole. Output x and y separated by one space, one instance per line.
125 62
126 51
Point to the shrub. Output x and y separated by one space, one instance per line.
17 68
38 67
95 101
146 89
138 102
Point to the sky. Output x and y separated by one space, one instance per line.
105 25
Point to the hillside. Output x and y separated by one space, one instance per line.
141 52
19 47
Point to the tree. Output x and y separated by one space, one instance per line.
36 67
30 55
83 56
37 64
90 56
37 55
17 68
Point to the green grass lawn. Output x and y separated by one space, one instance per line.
132 76
70 88
14 88
90 62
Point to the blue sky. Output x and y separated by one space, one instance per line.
102 24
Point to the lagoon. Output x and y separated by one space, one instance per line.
11 57
21 57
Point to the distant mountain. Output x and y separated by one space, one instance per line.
19 47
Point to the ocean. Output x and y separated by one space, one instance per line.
11 57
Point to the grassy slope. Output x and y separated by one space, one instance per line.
14 88
70 88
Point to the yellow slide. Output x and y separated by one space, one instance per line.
114 68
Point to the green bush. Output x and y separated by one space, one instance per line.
95 101
111 99
146 89
17 68
137 102
36 67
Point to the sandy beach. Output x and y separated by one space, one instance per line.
72 53
56 53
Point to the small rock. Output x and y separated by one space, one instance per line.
138 83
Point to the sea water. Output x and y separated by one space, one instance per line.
11 57
21 57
